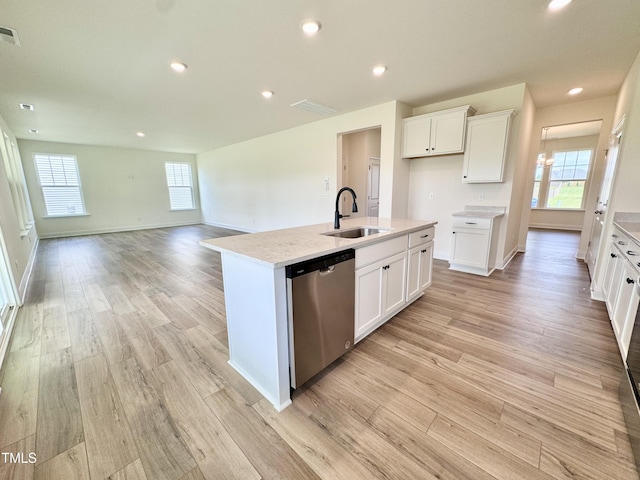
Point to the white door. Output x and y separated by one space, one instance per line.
611 159
373 188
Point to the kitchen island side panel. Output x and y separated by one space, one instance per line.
256 310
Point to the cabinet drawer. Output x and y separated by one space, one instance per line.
472 222
378 251
421 236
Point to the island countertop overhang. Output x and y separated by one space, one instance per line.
279 248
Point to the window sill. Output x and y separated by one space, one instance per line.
541 209
182 209
66 216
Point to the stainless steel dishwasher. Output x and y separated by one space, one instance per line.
321 297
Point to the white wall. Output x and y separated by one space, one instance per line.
442 175
278 181
598 109
20 249
124 189
624 191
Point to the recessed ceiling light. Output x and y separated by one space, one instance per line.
33 130
310 27
178 66
575 91
141 134
267 94
379 70
558 4
27 106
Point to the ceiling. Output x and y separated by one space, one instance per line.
97 71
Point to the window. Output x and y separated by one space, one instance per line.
60 183
180 185
562 185
17 183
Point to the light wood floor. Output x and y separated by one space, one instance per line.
117 369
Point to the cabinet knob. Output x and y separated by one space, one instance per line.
613 255
614 235
598 212
620 242
630 281
632 253
423 251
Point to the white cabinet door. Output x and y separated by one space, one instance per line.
419 265
394 282
470 247
368 297
612 279
380 290
447 133
416 133
486 148
437 133
624 301
616 265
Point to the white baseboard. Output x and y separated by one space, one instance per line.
131 228
5 337
22 289
510 256
229 227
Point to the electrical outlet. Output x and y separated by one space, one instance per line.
326 184
431 196
481 197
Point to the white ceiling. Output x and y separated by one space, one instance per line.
97 71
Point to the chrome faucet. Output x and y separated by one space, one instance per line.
354 208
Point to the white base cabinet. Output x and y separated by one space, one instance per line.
389 275
473 245
620 288
420 264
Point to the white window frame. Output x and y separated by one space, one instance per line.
546 180
58 183
17 183
179 180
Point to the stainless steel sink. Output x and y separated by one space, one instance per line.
355 232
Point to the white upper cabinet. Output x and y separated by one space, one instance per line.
486 147
438 133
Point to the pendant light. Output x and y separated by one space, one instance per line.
542 160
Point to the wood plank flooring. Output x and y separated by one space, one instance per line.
118 370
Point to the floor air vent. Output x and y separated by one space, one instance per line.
313 107
9 35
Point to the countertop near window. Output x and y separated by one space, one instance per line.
481 211
629 223
278 248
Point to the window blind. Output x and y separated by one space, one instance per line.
180 186
60 183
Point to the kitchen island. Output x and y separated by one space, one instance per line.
255 287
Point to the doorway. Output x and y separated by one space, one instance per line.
360 170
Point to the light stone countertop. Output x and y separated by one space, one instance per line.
480 211
278 248
629 223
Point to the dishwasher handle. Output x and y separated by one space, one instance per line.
321 264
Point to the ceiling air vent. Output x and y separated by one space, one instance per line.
313 107
9 35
